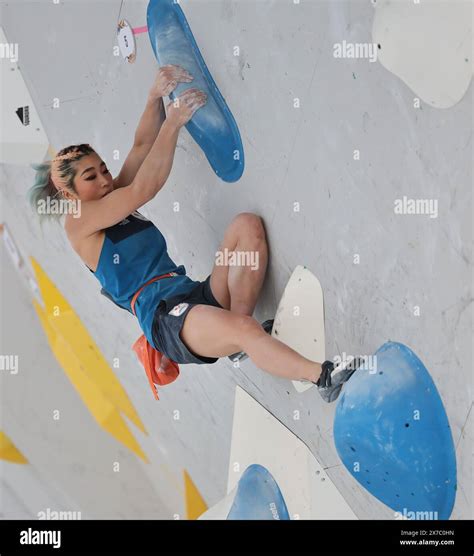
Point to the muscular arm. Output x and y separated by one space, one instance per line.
147 131
150 178
150 122
151 175
157 165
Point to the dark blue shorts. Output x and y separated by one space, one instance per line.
169 318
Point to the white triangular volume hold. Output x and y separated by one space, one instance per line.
259 438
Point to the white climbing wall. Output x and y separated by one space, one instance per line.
330 145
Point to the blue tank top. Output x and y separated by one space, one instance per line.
133 252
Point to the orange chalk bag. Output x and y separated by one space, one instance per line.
150 357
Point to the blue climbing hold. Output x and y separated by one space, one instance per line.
212 127
258 496
392 433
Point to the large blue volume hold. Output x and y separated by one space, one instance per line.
258 496
392 433
212 127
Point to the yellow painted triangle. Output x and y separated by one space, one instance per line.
195 505
9 452
84 364
101 408
65 322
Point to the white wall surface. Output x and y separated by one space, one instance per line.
303 155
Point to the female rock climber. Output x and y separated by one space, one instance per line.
187 321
